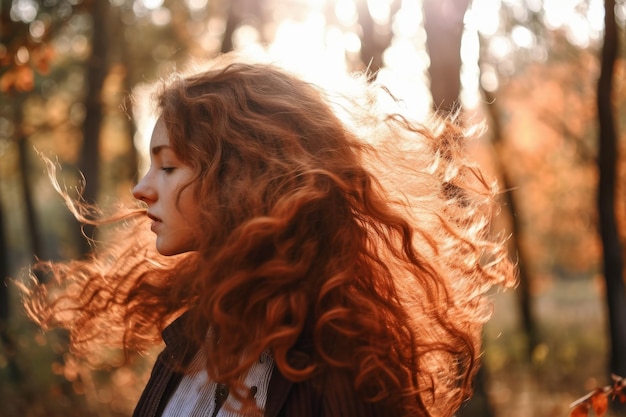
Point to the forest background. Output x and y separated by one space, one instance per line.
546 76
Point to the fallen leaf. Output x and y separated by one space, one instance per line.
599 403
581 410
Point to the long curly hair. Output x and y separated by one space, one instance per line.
337 221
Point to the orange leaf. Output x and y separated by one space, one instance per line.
25 79
7 81
600 403
42 58
581 410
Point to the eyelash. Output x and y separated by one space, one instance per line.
167 170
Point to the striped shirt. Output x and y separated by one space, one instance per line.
198 396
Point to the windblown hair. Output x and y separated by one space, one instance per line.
354 227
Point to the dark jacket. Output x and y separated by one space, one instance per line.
334 398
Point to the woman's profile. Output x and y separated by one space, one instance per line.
298 256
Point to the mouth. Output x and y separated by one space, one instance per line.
156 222
153 217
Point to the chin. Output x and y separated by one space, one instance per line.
166 252
170 250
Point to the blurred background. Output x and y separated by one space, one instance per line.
546 76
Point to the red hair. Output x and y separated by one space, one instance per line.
369 237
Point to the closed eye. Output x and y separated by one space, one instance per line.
167 170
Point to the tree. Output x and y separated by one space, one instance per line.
241 12
6 339
375 38
97 67
23 59
523 291
607 170
443 21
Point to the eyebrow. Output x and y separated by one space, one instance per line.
157 149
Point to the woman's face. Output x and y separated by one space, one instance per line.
171 206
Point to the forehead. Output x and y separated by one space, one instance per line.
159 135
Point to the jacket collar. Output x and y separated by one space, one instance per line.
181 349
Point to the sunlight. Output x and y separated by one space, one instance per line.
24 10
620 13
195 5
246 37
582 27
345 11
484 16
582 22
161 16
152 4
557 13
470 72
406 61
481 19
306 42
409 20
523 37
379 9
317 50
305 46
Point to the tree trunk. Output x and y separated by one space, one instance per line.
607 169
443 21
126 62
371 47
97 66
523 290
4 271
243 11
232 23
29 205
6 339
374 40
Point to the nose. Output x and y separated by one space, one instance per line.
144 191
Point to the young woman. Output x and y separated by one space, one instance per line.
305 264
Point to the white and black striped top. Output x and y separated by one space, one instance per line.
197 396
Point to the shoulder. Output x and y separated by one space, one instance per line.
329 394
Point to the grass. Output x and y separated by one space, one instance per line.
570 360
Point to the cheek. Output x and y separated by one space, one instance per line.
189 207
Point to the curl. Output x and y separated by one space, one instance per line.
330 224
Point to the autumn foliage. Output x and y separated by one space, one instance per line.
19 66
598 399
21 78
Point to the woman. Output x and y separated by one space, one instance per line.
305 265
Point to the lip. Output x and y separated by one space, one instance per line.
155 226
155 222
153 217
